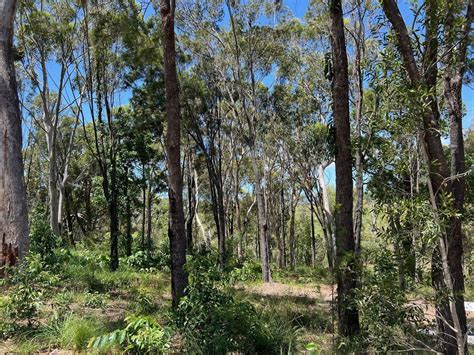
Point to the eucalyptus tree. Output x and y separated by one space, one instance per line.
445 185
346 272
176 230
46 35
13 210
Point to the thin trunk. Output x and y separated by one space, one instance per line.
346 272
128 216
148 216
329 226
313 236
13 205
176 229
292 229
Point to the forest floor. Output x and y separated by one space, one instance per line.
85 300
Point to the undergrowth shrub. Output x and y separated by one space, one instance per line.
42 240
26 284
388 321
214 321
142 335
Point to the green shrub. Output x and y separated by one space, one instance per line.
42 240
250 270
144 303
142 335
213 320
388 322
27 284
95 300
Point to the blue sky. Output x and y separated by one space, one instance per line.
299 9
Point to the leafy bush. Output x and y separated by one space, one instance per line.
214 321
142 335
387 320
250 270
42 239
27 283
95 300
144 303
142 261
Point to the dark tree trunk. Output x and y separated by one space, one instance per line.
346 273
313 236
13 205
283 229
128 217
176 232
114 218
292 230
142 240
149 204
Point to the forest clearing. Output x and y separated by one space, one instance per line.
236 177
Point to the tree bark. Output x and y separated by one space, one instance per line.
176 230
13 205
346 273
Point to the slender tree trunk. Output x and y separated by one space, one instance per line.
142 241
176 230
329 226
283 229
346 272
128 217
13 205
149 214
292 229
114 217
313 236
262 222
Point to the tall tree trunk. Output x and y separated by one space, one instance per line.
114 217
176 232
142 241
313 236
329 227
292 241
283 225
262 222
13 206
346 272
128 216
149 204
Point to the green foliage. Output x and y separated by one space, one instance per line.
142 335
76 331
387 319
144 302
27 283
95 300
249 270
42 239
214 320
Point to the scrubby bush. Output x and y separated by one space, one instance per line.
142 335
213 320
26 284
95 300
42 240
387 320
